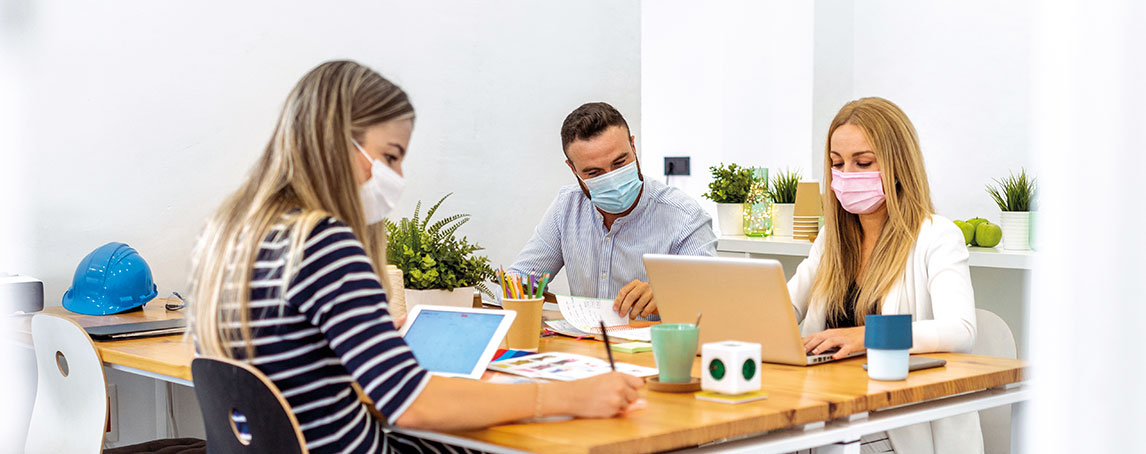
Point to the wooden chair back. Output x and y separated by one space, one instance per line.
232 395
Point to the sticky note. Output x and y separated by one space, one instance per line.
632 347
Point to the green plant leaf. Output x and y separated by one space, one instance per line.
1014 193
433 229
432 257
434 209
784 186
729 184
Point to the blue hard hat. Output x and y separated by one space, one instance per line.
113 278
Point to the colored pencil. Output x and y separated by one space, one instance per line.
541 288
532 283
501 282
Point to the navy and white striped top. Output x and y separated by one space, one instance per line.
599 262
331 328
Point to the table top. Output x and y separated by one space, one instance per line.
796 395
164 355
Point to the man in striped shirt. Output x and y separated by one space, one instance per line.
598 229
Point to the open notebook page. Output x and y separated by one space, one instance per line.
586 314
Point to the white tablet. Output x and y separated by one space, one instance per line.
454 341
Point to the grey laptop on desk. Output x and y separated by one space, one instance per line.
741 299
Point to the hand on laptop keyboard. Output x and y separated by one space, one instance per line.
830 351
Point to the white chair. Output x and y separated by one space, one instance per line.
70 412
995 339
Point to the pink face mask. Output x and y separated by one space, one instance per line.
858 192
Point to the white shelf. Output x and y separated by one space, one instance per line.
980 256
767 246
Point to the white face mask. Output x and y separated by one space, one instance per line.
381 192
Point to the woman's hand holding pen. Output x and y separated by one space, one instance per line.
602 396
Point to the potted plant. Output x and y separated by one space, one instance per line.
437 267
1015 196
784 201
729 189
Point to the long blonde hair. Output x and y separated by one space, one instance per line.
304 174
908 200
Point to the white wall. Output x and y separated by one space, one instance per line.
961 72
726 81
146 115
757 83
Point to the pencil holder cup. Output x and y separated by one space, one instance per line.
887 339
525 332
730 367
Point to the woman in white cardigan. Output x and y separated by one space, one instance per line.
883 250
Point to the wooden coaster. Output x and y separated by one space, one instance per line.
654 384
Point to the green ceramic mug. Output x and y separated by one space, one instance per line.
674 349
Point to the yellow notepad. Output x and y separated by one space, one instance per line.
632 347
731 399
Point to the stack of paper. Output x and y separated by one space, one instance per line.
564 367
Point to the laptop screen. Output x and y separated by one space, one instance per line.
452 342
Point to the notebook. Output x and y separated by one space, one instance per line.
585 314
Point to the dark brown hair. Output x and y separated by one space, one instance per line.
588 121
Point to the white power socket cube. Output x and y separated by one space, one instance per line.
730 367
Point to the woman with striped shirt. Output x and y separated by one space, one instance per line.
284 277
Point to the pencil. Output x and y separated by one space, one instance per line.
532 283
504 280
608 350
541 288
501 283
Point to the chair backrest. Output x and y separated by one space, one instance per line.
70 412
994 338
227 388
396 300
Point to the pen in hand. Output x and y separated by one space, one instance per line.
608 350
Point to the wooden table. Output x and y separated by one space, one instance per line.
818 405
166 358
797 396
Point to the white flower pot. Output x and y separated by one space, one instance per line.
459 297
1016 230
782 219
731 218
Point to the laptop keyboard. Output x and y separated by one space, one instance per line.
829 351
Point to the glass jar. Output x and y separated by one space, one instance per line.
758 207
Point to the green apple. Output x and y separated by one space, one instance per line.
988 234
976 221
968 231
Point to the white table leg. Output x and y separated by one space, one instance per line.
1019 412
162 400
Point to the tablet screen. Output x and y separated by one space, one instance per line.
451 342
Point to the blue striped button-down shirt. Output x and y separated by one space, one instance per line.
598 262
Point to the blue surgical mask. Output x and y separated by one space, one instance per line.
615 192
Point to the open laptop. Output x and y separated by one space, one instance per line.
741 299
454 341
